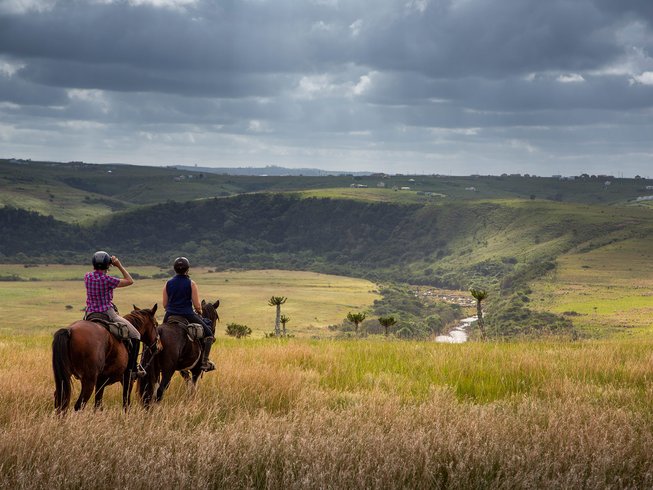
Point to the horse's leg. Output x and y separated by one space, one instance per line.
165 381
88 385
99 390
127 384
197 374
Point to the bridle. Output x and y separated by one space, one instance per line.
152 348
209 311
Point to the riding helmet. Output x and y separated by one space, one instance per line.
181 265
101 260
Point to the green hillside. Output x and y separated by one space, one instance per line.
523 249
79 192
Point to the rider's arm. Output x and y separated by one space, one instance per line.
195 295
165 296
126 278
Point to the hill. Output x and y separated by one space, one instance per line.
499 236
78 192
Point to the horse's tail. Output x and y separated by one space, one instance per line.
61 368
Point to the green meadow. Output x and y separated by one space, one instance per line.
325 410
314 411
606 291
50 297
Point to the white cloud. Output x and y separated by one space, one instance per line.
256 126
93 97
312 85
321 26
355 27
418 5
518 144
364 83
22 6
77 125
7 68
570 78
171 4
645 78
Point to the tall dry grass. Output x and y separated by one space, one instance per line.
363 414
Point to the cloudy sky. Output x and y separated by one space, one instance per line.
401 86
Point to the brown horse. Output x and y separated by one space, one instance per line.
89 352
178 353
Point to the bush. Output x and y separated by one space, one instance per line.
237 330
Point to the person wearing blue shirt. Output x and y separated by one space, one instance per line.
181 298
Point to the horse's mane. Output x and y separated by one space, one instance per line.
139 317
136 318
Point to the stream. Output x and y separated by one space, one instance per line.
458 334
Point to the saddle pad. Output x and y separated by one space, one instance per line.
118 330
195 331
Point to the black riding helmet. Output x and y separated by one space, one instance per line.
181 265
101 260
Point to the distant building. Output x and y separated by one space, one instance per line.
404 188
472 189
380 184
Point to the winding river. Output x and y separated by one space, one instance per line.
459 334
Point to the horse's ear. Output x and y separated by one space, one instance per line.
203 303
156 305
216 304
135 307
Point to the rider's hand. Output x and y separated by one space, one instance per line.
115 261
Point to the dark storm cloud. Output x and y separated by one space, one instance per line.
398 82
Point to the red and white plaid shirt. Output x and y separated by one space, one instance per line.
99 290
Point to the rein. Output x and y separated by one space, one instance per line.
211 314
146 348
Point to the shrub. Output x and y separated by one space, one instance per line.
237 330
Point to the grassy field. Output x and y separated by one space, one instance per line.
309 413
604 291
314 300
302 413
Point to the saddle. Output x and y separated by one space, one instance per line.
118 330
194 331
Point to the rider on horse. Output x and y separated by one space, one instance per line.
180 297
99 299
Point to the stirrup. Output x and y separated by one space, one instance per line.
208 366
138 373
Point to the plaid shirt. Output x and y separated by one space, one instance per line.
99 290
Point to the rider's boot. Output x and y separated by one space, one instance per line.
207 365
133 366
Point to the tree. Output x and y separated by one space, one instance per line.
479 295
277 301
284 319
386 322
356 318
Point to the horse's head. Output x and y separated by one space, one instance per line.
210 311
146 323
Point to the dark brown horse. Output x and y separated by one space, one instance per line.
178 353
91 354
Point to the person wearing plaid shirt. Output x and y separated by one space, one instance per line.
99 299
